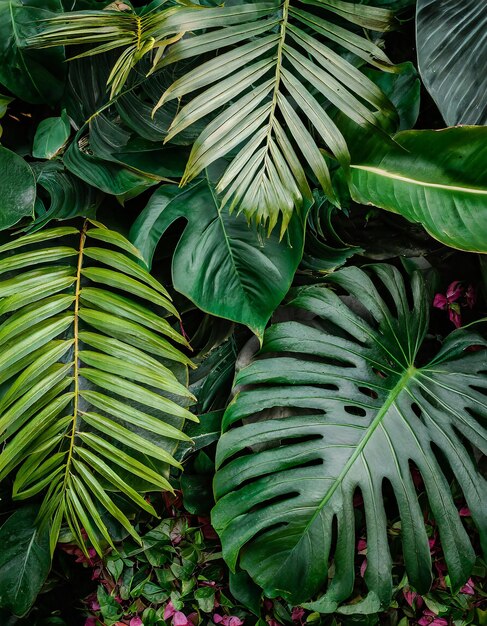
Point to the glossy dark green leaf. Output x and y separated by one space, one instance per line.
437 178
33 75
245 591
17 188
64 195
339 403
112 178
25 560
51 136
324 250
226 267
403 90
4 102
452 56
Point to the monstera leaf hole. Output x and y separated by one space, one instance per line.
344 408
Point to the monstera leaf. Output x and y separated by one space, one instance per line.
452 56
90 400
61 195
339 404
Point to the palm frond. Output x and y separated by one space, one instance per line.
274 69
275 74
104 31
91 401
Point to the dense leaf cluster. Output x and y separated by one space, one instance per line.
242 259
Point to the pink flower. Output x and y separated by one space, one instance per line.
297 614
469 588
91 621
180 619
96 573
227 620
92 602
412 598
169 610
430 619
272 622
455 316
363 567
449 303
361 546
82 557
136 621
464 512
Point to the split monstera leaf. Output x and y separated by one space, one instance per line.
341 404
94 389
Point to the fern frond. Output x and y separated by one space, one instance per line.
91 402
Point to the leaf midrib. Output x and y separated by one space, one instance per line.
415 181
24 563
19 50
76 360
228 246
376 422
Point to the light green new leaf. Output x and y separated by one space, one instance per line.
86 392
337 405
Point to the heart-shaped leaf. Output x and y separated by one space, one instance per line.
225 266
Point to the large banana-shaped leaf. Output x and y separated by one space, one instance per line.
89 403
451 38
435 177
340 404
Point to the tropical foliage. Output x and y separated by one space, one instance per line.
73 349
243 295
355 408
